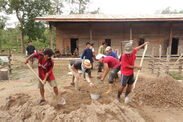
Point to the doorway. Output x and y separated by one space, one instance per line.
175 44
74 44
108 41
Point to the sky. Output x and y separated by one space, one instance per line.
126 7
136 6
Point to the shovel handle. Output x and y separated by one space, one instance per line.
35 73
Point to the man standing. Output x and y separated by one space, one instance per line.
29 51
101 50
109 63
109 52
88 54
127 69
84 66
45 67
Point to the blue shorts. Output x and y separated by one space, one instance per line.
127 80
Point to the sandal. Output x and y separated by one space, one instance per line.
42 101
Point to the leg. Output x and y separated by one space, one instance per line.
84 76
120 91
76 80
130 85
89 73
53 84
42 93
55 89
99 67
110 80
128 90
41 87
123 85
72 82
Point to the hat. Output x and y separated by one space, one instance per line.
100 56
108 48
128 48
87 64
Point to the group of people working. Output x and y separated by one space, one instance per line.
108 63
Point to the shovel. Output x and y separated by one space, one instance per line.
52 93
140 65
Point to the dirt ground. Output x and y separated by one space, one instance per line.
153 100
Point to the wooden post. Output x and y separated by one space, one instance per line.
167 61
91 38
9 63
90 31
180 66
131 34
3 74
159 61
170 39
152 60
51 36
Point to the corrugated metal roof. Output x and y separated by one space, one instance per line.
103 18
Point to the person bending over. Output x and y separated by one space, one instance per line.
84 66
109 63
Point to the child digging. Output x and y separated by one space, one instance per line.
45 66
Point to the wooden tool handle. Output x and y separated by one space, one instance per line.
35 73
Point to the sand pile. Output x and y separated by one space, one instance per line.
19 107
160 92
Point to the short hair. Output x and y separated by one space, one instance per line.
92 44
29 41
104 43
88 43
48 52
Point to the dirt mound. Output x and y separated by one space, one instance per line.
163 91
15 100
21 108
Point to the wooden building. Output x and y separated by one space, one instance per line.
75 30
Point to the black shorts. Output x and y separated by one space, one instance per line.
127 80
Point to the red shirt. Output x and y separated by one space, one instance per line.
128 59
111 61
44 66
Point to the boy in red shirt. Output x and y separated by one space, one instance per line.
127 69
109 63
45 66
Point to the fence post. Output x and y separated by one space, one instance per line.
152 60
167 61
9 58
159 60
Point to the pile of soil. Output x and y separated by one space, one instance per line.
163 91
20 107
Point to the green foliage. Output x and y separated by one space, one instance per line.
26 11
176 75
57 6
168 10
81 7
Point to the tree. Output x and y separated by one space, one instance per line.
81 7
57 6
2 26
169 10
26 11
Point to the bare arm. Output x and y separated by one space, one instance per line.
106 68
134 67
88 80
141 46
31 56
